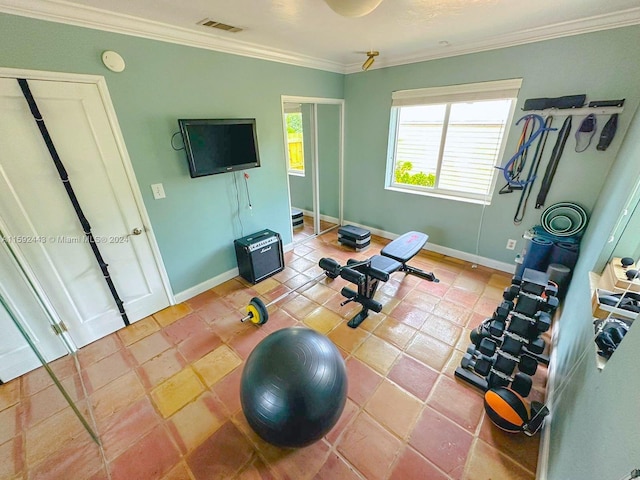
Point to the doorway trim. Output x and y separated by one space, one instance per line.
316 181
101 84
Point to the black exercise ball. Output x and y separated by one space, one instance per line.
293 387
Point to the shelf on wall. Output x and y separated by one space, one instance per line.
605 282
560 112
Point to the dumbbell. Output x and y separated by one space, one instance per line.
528 304
520 382
534 282
529 328
480 364
520 326
542 321
496 327
503 310
536 346
506 363
511 345
511 292
490 327
480 332
551 290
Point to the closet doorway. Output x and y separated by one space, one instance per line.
314 149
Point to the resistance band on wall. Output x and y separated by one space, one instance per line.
86 227
556 154
533 172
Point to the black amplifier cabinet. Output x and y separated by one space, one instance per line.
259 255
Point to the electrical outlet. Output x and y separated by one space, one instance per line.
511 244
158 191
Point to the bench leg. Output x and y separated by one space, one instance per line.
419 273
359 318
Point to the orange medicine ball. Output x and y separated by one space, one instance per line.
506 409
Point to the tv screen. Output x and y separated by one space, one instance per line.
220 145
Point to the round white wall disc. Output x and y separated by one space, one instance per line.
113 61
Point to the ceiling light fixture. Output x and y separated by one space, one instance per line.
353 8
370 59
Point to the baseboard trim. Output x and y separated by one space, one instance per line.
542 469
325 218
206 285
450 252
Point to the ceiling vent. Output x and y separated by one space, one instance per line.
220 26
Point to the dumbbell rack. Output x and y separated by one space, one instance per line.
510 339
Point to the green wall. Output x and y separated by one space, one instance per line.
196 224
595 427
599 64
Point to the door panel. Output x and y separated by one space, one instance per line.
40 218
16 357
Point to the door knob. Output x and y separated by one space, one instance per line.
136 231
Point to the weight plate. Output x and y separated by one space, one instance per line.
258 311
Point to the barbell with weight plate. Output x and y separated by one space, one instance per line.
257 310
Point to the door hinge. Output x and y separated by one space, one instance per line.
59 328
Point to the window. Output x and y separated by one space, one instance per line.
446 141
295 144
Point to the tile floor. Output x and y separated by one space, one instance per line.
305 231
164 392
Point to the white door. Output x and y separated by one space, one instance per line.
42 224
16 355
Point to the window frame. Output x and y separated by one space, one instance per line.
464 93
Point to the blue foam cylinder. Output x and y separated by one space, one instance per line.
564 253
537 255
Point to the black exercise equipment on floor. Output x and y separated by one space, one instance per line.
297 218
62 172
506 349
257 310
355 237
293 387
369 273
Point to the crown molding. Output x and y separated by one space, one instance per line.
61 11
89 17
607 21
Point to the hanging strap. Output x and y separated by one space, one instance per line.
26 91
533 173
549 173
510 172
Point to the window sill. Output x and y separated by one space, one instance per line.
445 196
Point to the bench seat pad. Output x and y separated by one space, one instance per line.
385 264
405 247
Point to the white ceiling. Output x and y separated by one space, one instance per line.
309 33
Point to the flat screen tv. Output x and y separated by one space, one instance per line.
220 145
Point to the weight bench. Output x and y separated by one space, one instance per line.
368 274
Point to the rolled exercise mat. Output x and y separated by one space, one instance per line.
560 275
538 253
564 253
